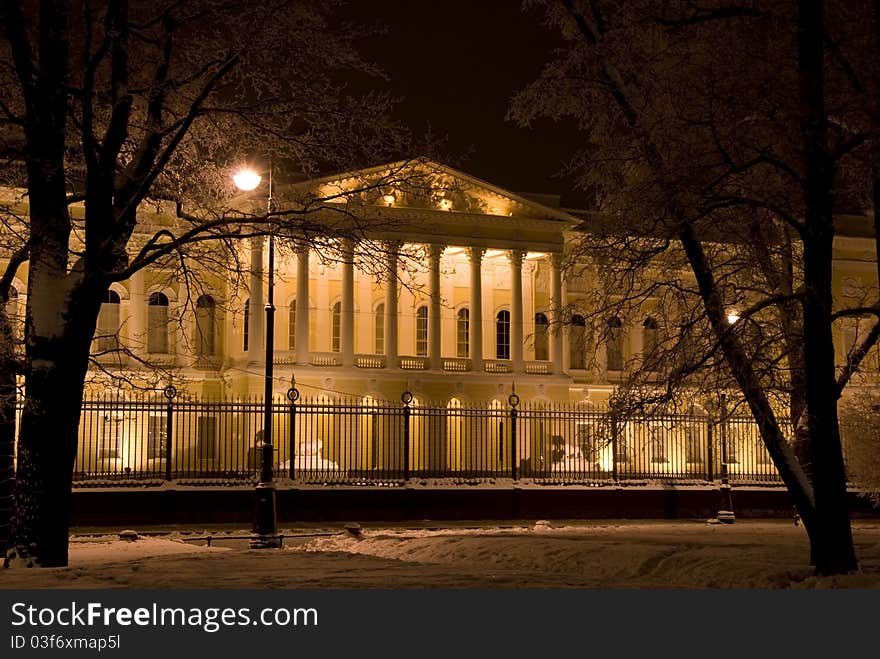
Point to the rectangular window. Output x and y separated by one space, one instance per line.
206 440
462 334
422 331
379 330
156 436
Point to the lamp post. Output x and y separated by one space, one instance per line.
265 525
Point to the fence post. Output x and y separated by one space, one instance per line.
614 447
710 453
292 396
170 392
407 398
725 511
513 400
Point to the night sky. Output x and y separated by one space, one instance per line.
457 63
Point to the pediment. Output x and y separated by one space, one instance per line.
422 184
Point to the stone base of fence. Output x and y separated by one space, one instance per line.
225 505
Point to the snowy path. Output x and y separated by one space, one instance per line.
620 554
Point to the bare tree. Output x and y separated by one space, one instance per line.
113 107
716 136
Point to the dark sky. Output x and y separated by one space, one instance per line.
457 63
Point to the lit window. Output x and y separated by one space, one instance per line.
335 327
502 335
462 333
157 323
614 347
542 336
578 342
291 326
206 310
108 322
649 336
422 331
247 323
379 330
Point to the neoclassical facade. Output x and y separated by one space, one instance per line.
451 291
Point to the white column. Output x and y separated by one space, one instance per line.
516 311
434 352
391 306
476 311
257 306
302 304
346 320
557 347
137 336
530 287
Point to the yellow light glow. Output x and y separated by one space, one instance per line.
531 256
732 317
246 179
389 199
445 204
492 253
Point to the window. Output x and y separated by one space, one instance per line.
577 351
542 337
502 335
156 436
206 438
291 326
157 323
206 310
693 447
614 347
422 331
379 330
649 337
335 319
108 322
462 333
14 316
247 324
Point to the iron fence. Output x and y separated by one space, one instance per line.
370 442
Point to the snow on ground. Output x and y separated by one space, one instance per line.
581 554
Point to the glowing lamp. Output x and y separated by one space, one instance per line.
246 179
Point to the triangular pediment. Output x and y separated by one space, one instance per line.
428 185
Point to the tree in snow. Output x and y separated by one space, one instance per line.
720 141
111 107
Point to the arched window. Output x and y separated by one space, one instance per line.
614 346
108 322
247 324
463 333
577 350
291 326
542 337
206 312
502 335
649 336
422 331
379 330
157 323
335 319
13 315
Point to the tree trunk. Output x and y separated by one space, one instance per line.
7 449
831 536
46 454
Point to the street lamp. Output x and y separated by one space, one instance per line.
265 525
